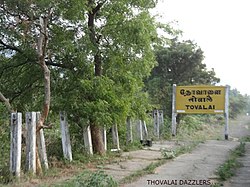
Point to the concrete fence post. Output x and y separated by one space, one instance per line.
156 123
129 131
145 130
115 137
30 165
88 140
139 130
16 141
41 145
65 136
161 122
105 138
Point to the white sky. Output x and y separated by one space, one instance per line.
222 29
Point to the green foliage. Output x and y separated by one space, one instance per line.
54 145
98 178
167 132
4 146
190 124
227 170
185 148
91 179
121 36
200 127
237 103
169 154
247 106
150 169
245 139
180 63
126 59
135 145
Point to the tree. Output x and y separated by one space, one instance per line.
24 52
97 54
237 103
117 41
180 63
247 108
24 40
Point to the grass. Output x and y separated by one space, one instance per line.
90 179
132 146
192 135
167 154
202 133
150 169
185 148
245 139
227 170
62 170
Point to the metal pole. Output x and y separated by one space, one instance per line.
226 114
174 111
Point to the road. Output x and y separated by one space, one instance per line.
198 167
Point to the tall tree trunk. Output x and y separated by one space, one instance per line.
97 139
41 52
96 131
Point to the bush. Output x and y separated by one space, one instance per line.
92 179
54 143
4 146
227 170
190 124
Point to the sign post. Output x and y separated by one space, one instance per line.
226 114
174 114
200 99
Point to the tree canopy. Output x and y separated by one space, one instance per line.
181 63
88 58
92 58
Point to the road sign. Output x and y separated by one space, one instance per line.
200 99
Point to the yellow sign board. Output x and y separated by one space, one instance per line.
200 99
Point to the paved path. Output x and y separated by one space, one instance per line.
242 177
138 160
196 168
193 169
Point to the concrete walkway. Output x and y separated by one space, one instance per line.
242 177
192 169
137 160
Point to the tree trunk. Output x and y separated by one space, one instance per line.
96 131
97 139
6 102
41 53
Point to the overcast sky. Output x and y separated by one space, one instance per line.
222 29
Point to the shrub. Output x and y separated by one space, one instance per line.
5 145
